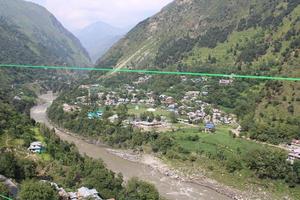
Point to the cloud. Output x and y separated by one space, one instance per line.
76 14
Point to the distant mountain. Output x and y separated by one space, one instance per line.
29 34
97 38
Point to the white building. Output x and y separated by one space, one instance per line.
36 147
84 193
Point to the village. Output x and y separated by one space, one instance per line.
190 110
163 112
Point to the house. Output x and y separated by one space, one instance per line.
82 99
196 80
113 118
110 102
134 100
73 195
151 109
172 108
162 96
183 78
100 95
84 87
84 193
209 127
36 147
70 108
296 142
225 81
150 101
170 100
143 124
192 93
294 154
95 115
17 98
204 93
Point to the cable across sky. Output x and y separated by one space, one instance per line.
150 72
4 197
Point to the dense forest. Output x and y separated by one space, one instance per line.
66 167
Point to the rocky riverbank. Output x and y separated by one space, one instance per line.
157 164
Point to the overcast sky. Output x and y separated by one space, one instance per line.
76 14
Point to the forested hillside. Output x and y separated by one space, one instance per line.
232 36
29 34
232 32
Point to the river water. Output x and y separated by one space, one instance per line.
170 188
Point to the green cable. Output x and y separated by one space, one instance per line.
4 197
152 72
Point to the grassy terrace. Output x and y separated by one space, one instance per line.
39 137
211 142
19 144
206 151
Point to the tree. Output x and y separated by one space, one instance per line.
140 190
33 190
8 165
163 144
296 170
26 169
267 163
150 117
233 164
158 118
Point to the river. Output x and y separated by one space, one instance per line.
168 187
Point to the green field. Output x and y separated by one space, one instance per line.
211 142
206 150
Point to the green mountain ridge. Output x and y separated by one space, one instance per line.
31 35
185 28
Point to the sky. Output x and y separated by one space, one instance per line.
76 14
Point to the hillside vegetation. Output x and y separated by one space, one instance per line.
232 36
29 34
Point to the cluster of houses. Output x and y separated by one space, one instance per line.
294 151
190 107
81 194
196 112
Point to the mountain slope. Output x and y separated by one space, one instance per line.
31 35
178 31
227 36
97 38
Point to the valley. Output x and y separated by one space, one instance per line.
168 186
106 134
